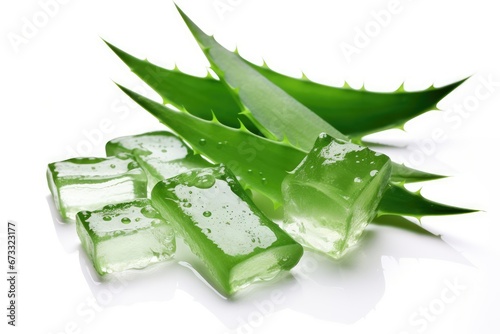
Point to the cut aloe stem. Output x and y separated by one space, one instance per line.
124 236
161 154
90 183
217 219
333 194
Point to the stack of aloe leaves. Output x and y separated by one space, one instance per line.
264 126
280 117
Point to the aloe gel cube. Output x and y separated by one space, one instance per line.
333 194
214 215
125 236
89 183
161 154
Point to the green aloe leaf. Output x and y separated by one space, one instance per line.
203 97
277 114
276 111
359 112
397 200
402 173
261 163
345 108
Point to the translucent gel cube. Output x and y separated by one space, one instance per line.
161 154
89 183
223 227
125 236
333 194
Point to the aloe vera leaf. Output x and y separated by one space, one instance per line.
402 173
403 224
272 107
261 163
397 200
359 112
204 97
275 110
268 102
201 96
343 107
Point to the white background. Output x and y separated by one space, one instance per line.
57 92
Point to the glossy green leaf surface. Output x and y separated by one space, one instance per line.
344 108
359 112
399 201
205 97
273 111
278 114
262 164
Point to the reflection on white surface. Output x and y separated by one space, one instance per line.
338 291
66 232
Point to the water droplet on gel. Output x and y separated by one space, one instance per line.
207 214
149 212
249 171
204 181
126 220
202 141
164 151
112 166
137 219
264 180
187 205
106 218
209 230
122 156
373 172
132 165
